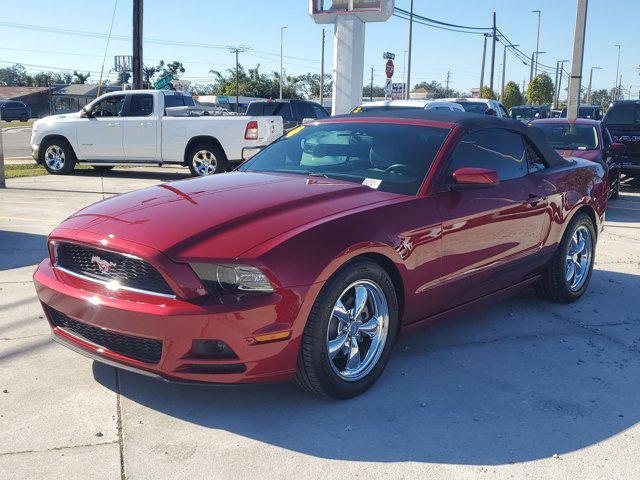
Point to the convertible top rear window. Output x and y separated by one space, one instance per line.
389 157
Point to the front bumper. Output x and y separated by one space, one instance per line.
35 151
176 323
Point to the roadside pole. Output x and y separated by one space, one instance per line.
484 57
408 87
3 183
137 44
322 73
504 67
493 53
573 100
555 86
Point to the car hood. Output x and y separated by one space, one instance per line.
593 155
220 216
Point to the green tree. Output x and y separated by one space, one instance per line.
308 85
488 93
378 91
512 95
123 78
600 97
174 68
148 73
79 77
436 90
14 76
540 90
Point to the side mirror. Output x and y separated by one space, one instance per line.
472 177
491 111
618 148
85 113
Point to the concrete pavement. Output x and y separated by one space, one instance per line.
15 141
520 389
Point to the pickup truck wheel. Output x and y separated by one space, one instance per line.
57 157
207 159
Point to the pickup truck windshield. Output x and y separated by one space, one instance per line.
570 136
388 157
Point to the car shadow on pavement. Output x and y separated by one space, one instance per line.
520 380
141 174
19 249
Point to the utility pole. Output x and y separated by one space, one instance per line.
535 72
590 80
555 88
404 76
504 67
493 52
371 87
281 49
410 38
322 73
3 183
615 91
561 62
533 59
573 100
237 50
448 80
484 56
137 44
619 94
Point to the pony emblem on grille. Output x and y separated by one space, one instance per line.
103 265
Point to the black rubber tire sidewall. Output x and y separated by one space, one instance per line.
221 158
24 118
553 286
314 373
69 156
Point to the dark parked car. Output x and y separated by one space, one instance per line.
14 110
593 112
587 139
526 113
308 261
293 112
623 122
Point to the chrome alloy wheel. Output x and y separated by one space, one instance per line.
578 259
204 162
357 330
54 157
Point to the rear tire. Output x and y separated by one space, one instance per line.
563 281
367 339
57 156
24 118
206 159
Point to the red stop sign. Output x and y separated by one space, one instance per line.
389 68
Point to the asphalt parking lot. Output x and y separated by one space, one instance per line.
519 389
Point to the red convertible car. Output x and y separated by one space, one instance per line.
309 261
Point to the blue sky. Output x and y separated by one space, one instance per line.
257 23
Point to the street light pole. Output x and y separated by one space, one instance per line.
281 50
573 99
137 44
615 91
590 80
322 73
504 67
237 50
535 72
561 63
493 52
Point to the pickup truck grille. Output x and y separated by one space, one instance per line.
142 349
104 266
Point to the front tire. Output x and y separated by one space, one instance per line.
57 157
568 274
350 332
206 159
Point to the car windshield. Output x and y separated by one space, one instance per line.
568 136
474 107
388 157
623 114
523 113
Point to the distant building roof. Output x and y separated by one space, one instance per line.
12 93
85 89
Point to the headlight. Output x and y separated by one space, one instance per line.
232 278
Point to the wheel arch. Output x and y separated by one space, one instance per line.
54 136
590 212
198 140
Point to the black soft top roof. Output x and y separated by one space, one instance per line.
471 122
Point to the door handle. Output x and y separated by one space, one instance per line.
114 124
145 124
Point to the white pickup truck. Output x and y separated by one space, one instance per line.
132 127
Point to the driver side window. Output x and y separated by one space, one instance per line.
495 149
109 107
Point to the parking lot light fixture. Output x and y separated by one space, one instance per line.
590 80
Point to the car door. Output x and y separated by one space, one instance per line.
99 134
139 128
11 111
490 234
